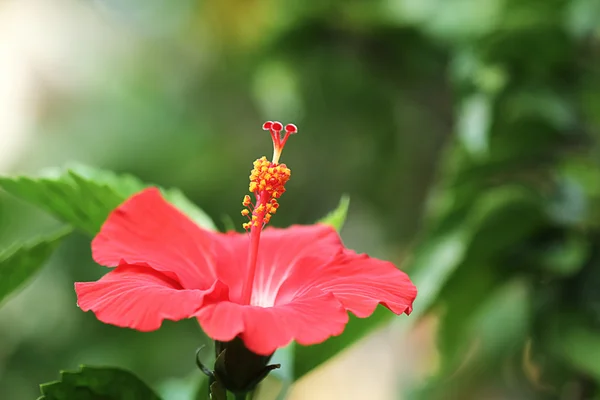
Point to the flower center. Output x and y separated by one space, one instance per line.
267 184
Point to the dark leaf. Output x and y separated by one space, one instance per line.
95 383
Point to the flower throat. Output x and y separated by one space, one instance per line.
267 183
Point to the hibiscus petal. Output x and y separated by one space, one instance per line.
360 282
147 229
283 251
309 318
139 297
232 261
297 259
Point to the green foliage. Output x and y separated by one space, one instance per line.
580 347
512 185
337 217
84 196
20 262
93 383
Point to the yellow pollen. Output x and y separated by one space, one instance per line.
268 179
267 183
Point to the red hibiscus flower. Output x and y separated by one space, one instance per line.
266 287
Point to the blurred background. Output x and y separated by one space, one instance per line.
465 132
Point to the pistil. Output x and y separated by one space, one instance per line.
267 183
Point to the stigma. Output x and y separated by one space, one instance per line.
267 180
279 141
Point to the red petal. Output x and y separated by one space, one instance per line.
139 297
232 261
359 283
310 318
283 251
279 253
147 229
302 257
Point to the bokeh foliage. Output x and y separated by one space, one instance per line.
465 131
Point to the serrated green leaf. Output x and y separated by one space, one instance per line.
337 217
83 196
96 383
20 262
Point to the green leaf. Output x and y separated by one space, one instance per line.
337 217
434 261
580 346
185 205
84 196
501 323
228 224
497 328
19 263
97 383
